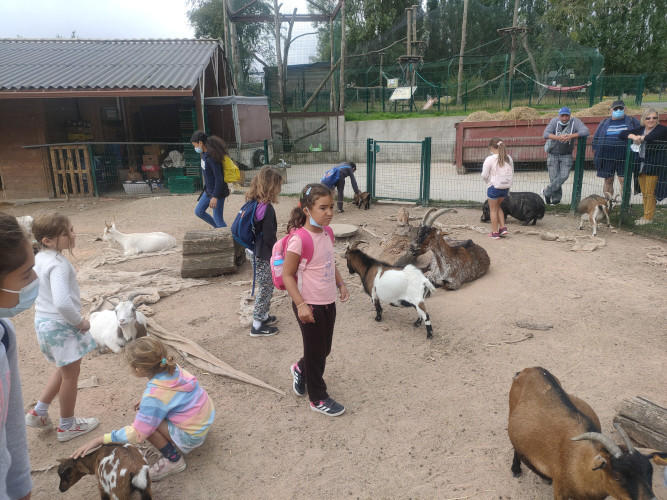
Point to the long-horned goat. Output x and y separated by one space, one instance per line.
120 470
558 437
113 328
135 243
405 286
593 207
453 262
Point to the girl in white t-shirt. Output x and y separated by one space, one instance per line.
62 332
497 172
314 297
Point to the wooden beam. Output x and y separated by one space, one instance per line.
299 18
336 9
320 87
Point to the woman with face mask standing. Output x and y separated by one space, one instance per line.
213 151
19 286
609 150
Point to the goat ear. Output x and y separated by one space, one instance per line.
82 468
600 462
62 460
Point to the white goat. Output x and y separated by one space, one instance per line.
406 286
113 328
593 207
135 243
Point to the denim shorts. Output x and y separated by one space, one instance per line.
185 442
494 193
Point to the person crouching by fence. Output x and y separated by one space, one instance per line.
498 172
560 134
335 178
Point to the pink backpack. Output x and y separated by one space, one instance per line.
280 249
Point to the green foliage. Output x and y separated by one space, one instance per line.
208 21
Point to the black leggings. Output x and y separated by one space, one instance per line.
317 338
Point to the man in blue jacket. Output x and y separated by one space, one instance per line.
345 169
561 131
609 150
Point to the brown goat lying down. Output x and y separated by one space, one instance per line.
453 262
558 437
120 470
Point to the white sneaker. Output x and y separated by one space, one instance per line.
163 468
642 221
80 427
38 421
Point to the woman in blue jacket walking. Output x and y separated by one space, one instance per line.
213 151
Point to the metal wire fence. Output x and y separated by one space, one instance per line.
423 172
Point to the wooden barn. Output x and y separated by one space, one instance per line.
56 94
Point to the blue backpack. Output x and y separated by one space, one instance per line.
331 177
243 231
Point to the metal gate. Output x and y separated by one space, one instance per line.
399 170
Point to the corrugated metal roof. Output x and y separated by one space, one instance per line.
64 64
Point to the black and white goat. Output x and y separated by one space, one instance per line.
593 207
135 243
406 286
120 470
113 328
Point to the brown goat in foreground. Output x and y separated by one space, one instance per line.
558 437
453 263
120 470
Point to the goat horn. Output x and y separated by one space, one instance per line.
428 212
437 214
606 442
135 294
355 244
626 438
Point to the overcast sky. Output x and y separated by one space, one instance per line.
117 19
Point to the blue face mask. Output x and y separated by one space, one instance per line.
27 296
199 150
312 221
563 123
618 113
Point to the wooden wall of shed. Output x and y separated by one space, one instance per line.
22 123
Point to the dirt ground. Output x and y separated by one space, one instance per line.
425 418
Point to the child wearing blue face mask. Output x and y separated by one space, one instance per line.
18 289
314 296
213 151
62 333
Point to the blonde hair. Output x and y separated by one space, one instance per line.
265 186
647 112
51 224
503 157
150 356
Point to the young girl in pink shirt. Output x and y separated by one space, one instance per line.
314 295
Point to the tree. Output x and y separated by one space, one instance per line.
253 38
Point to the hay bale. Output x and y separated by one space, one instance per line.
478 116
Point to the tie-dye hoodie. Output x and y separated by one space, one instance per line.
177 398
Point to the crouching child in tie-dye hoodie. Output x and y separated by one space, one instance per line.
174 412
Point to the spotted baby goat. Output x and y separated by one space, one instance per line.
405 286
453 262
120 470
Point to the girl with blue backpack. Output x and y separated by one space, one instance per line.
264 190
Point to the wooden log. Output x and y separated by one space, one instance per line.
644 421
210 252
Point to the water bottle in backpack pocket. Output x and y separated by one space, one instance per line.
279 252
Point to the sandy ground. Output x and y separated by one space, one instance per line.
424 419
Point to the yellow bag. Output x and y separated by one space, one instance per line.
231 172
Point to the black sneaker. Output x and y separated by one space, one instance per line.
328 406
263 331
299 384
271 320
